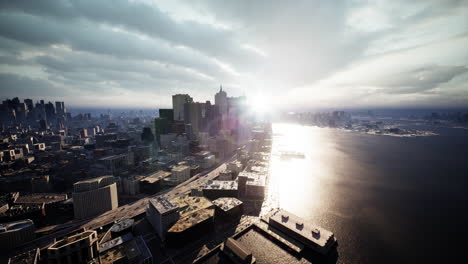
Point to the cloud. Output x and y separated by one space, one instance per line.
343 53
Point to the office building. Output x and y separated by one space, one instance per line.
95 196
193 115
216 189
180 173
161 214
178 102
221 101
228 207
79 248
16 233
125 249
115 164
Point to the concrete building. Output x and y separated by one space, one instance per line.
196 218
161 214
228 207
178 102
29 257
312 236
16 233
216 189
115 163
252 184
180 173
125 249
40 184
237 252
154 182
226 175
95 196
79 248
235 167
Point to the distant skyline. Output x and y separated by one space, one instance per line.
298 54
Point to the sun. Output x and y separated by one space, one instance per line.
259 104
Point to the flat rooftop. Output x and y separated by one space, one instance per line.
227 203
163 205
39 198
71 239
129 248
299 226
181 168
156 176
14 226
191 220
190 204
221 185
98 179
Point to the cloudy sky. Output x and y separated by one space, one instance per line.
316 53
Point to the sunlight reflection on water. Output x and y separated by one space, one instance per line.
295 182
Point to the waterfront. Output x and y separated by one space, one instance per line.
387 199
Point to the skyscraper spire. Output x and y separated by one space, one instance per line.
220 88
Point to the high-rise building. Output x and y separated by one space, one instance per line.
79 248
167 114
178 102
50 111
193 114
95 196
221 101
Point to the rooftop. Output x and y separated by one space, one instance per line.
227 203
15 226
221 185
190 204
72 239
125 247
312 233
122 224
181 168
190 220
162 205
39 198
156 176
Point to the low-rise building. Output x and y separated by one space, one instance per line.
161 214
312 236
228 207
181 173
216 189
16 233
79 248
125 249
29 257
95 196
153 183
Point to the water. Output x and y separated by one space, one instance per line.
387 199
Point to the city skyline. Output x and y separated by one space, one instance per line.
316 53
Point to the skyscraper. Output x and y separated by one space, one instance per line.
178 102
221 101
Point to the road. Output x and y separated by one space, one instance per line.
125 211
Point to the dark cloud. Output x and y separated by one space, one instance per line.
13 85
134 47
